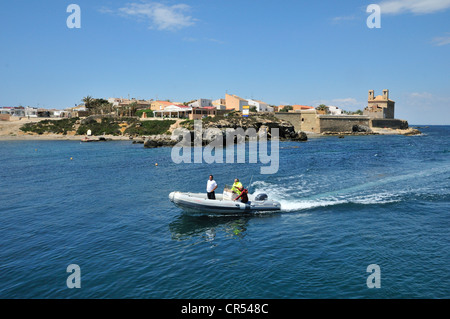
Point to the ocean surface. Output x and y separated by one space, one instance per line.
346 204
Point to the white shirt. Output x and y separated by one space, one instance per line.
210 186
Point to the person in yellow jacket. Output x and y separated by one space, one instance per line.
236 186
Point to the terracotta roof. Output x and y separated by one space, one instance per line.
163 102
302 107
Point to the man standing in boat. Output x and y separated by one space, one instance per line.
211 186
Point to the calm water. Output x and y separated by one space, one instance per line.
347 203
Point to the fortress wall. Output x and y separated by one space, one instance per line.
341 124
389 123
305 121
293 118
311 122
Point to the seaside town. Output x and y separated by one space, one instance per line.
378 116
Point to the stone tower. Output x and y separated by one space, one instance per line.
380 107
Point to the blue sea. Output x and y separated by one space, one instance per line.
346 204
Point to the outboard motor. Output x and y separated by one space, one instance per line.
261 197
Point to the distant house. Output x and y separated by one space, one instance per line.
159 105
334 110
118 102
234 102
20 111
56 113
172 110
115 101
78 111
260 106
219 104
183 111
5 113
201 103
198 113
298 108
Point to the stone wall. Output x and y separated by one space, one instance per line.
341 123
311 122
293 118
389 123
5 117
305 121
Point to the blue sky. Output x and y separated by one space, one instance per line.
281 52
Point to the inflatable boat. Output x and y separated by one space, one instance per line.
223 204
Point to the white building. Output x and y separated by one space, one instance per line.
114 101
334 110
201 103
173 111
260 106
20 112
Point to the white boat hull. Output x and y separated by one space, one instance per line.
199 203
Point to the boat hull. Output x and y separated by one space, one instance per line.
199 203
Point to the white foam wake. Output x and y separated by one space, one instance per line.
297 205
373 199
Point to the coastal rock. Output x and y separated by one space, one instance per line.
300 136
412 132
158 141
361 129
139 141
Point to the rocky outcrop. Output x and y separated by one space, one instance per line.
262 124
237 129
155 141
361 129
412 131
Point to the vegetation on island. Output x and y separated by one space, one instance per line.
106 126
149 127
50 126
103 107
286 108
140 112
99 125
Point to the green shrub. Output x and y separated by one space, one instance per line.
149 113
150 127
107 126
50 126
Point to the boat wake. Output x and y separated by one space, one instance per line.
386 190
298 205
